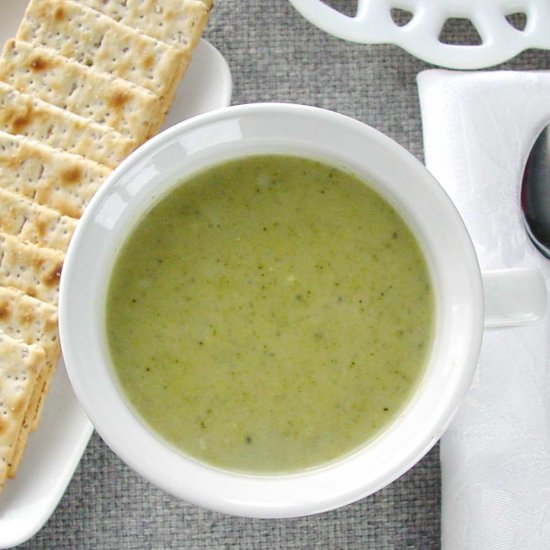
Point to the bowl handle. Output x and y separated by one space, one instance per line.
514 297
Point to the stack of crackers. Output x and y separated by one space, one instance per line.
82 84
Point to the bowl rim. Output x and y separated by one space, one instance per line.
247 489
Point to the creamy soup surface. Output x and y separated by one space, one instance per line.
270 315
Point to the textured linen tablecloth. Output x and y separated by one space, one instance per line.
274 55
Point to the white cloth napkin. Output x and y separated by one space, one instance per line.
495 457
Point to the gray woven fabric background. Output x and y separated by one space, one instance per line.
274 55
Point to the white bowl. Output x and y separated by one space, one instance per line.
149 174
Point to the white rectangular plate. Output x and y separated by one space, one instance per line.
56 448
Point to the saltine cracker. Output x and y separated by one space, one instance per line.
34 223
129 109
22 114
33 269
20 364
33 322
59 180
176 22
99 42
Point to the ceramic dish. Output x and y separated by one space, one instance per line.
229 133
190 147
55 449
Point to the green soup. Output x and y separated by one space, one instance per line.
270 315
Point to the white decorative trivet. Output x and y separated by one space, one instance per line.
420 30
